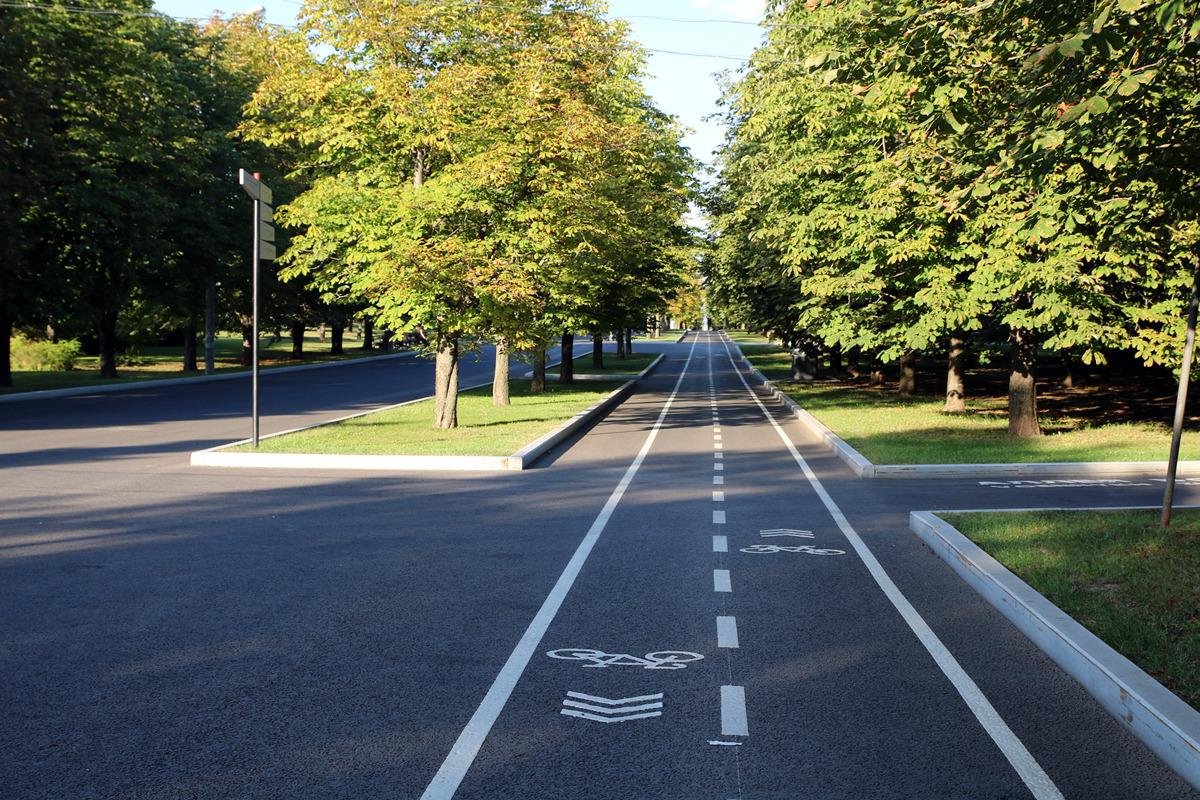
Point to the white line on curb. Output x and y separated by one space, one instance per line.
1026 766
727 635
445 783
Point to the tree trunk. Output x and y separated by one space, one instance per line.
908 374
106 334
956 392
189 347
500 375
619 335
1022 387
321 331
1068 381
210 327
336 336
628 342
298 339
835 358
538 384
368 334
566 371
385 341
247 344
598 351
6 328
876 378
445 397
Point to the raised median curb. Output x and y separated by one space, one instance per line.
862 467
1150 711
220 456
154 383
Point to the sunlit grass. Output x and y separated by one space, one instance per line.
483 429
1119 574
890 429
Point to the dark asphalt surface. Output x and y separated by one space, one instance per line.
177 632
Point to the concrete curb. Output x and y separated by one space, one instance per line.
219 456
1151 712
682 336
864 468
106 388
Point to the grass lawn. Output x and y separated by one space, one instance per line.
1120 575
746 337
484 429
158 363
890 429
633 363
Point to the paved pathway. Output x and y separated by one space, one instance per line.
694 600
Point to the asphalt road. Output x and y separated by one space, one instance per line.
673 580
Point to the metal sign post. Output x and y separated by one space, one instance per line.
264 250
1185 374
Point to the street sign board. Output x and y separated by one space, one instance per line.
266 231
266 251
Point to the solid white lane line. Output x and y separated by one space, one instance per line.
718 480
718 497
445 783
1026 766
721 581
720 544
727 632
733 711
719 517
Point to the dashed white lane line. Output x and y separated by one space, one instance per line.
720 544
733 711
717 445
718 480
721 581
462 754
718 455
718 497
716 428
718 467
719 517
1022 761
727 635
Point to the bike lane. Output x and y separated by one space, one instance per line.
809 683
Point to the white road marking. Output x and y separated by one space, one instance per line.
718 467
719 517
717 445
716 437
727 632
721 581
718 455
445 783
1026 766
733 711
716 428
718 480
718 497
720 544
726 744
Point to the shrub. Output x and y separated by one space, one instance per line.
43 355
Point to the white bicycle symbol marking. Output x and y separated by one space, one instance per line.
800 548
663 659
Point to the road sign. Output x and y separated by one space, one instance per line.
263 250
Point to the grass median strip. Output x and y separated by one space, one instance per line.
631 364
484 429
1118 573
890 429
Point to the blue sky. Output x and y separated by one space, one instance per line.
683 85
